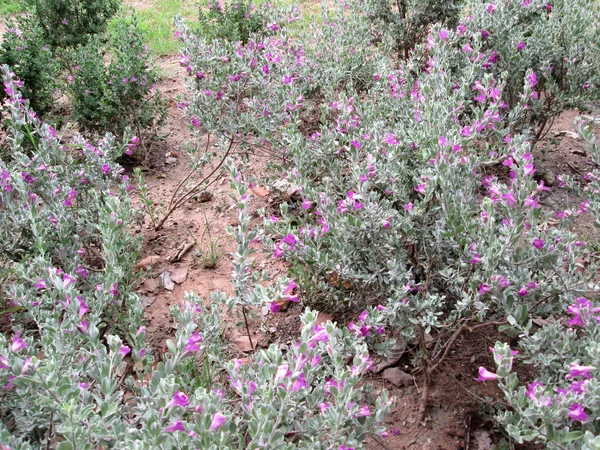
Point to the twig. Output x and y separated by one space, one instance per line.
247 327
448 347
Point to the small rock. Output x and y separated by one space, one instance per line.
170 160
148 300
179 275
243 343
260 191
166 282
148 261
397 353
204 197
285 187
548 177
149 285
568 133
397 377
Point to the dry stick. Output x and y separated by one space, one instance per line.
427 380
448 348
192 191
247 327
188 175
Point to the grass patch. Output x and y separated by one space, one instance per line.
8 7
157 23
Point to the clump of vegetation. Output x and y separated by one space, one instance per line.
112 85
68 23
234 20
26 51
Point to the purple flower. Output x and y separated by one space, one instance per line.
523 292
529 169
81 271
17 343
521 46
105 168
476 259
484 34
83 307
484 289
580 371
124 350
114 290
177 426
179 399
274 307
299 383
486 375
192 344
68 279
287 292
306 204
443 35
421 188
537 243
531 389
217 421
532 79
195 122
363 411
577 413
443 141
41 284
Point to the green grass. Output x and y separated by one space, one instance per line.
157 22
8 7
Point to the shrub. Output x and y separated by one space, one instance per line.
557 40
418 188
68 23
234 21
112 85
69 380
25 51
406 23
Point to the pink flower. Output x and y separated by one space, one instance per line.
521 46
363 411
177 426
274 307
179 399
577 413
421 188
217 421
538 243
299 383
476 259
443 141
192 344
409 207
580 371
306 204
484 289
287 292
486 375
443 35
41 284
68 279
529 169
124 350
18 343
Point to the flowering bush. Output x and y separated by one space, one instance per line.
75 371
67 23
418 185
558 408
112 85
233 21
405 23
24 49
557 40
